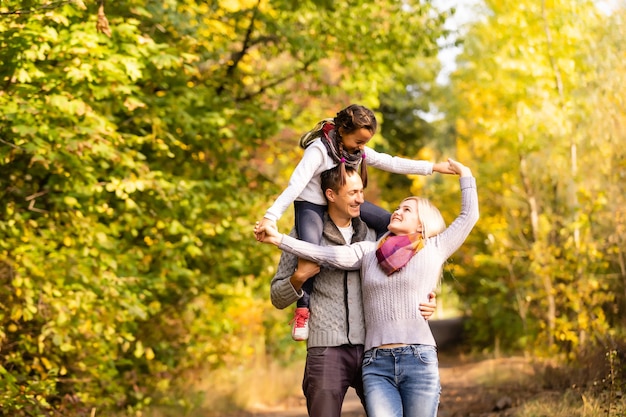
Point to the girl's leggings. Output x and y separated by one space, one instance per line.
310 225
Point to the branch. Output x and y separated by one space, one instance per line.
274 83
11 144
33 198
52 5
244 49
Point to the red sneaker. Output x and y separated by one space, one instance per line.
300 321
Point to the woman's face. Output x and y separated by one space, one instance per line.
355 141
405 219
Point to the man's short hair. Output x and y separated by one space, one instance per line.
331 178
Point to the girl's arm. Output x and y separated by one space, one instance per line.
311 161
308 166
396 164
400 165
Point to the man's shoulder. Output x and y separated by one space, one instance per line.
362 231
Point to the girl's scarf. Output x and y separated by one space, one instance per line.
394 252
331 140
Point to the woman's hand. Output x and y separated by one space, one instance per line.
459 169
267 232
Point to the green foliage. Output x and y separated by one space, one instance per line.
133 166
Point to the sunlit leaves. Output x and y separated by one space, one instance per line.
525 81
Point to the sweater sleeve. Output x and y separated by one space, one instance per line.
302 174
453 237
396 164
347 257
282 292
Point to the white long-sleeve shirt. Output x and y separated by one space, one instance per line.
305 183
391 303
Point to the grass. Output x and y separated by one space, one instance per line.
228 391
572 403
532 387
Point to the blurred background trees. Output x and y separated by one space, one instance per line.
134 162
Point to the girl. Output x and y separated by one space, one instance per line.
338 141
400 365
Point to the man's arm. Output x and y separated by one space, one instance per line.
428 309
291 273
305 270
282 292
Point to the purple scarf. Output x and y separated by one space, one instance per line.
394 252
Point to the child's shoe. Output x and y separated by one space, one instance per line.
300 329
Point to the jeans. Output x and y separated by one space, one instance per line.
328 373
309 226
375 217
402 381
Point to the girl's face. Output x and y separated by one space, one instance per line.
405 219
355 141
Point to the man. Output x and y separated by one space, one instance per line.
336 324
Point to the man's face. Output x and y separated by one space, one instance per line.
347 202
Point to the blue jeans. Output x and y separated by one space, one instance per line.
402 381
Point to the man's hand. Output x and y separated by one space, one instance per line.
305 270
427 309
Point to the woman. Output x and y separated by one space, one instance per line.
400 367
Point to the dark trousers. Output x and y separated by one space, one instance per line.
328 373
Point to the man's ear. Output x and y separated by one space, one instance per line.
330 195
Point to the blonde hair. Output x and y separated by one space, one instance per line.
430 216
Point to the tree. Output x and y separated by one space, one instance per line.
134 165
528 83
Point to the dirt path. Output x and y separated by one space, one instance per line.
477 388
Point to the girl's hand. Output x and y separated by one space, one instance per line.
442 168
261 226
267 233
